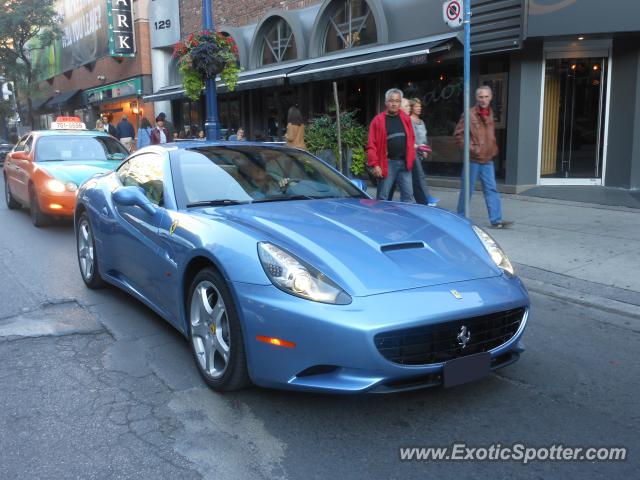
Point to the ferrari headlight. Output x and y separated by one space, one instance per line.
494 250
55 186
71 187
298 278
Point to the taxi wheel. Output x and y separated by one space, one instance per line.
215 334
87 255
38 218
12 203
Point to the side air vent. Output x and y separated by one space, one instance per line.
401 246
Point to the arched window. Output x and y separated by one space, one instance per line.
278 43
350 25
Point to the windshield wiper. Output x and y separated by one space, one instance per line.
216 203
291 197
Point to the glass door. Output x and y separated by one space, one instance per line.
573 120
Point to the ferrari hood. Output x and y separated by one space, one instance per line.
77 171
370 247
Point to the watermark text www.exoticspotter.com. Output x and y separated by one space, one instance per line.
516 452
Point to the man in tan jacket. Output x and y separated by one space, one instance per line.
482 150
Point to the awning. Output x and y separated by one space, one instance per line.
261 79
166 93
38 104
352 65
64 98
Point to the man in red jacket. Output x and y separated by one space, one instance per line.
391 148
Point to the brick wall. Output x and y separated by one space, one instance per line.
112 69
234 12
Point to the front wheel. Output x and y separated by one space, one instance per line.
38 218
215 333
87 255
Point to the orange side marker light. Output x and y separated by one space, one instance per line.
275 341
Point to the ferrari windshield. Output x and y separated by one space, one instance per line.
228 175
78 147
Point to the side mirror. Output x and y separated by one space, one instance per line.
19 155
359 183
133 197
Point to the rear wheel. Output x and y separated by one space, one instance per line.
12 203
87 256
215 333
38 218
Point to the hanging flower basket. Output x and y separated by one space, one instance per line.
203 55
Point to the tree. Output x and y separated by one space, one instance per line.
26 26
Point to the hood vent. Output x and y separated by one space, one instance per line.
401 246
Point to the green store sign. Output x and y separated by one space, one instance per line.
128 88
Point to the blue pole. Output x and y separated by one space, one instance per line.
467 81
212 124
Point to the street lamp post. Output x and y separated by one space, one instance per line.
212 124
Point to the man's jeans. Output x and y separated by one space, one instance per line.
397 169
487 174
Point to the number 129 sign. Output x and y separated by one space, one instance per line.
452 12
164 20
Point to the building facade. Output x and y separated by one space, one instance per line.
101 65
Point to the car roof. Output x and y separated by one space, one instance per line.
184 144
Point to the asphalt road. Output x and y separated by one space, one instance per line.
95 385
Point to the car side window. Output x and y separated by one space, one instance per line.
22 143
145 171
28 144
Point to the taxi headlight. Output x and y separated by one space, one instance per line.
494 250
71 187
297 278
55 186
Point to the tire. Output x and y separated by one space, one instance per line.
87 254
12 203
215 333
38 218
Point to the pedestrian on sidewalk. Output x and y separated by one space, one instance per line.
391 148
125 132
159 134
106 124
144 133
482 150
295 129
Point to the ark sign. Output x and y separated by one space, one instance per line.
121 38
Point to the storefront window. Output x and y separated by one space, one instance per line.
351 25
278 43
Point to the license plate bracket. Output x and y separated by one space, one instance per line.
466 369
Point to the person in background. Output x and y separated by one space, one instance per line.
420 189
295 129
99 125
201 135
482 150
238 136
110 129
125 132
144 133
159 134
176 136
391 148
167 124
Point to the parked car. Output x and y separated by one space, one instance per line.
5 147
45 168
282 273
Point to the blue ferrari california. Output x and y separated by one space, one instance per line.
282 273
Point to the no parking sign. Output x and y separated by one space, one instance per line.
452 11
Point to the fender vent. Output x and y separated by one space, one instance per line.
401 246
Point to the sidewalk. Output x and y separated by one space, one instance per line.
583 252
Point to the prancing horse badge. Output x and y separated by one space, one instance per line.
173 227
456 294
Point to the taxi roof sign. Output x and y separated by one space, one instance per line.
68 123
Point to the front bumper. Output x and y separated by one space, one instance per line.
334 344
57 204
